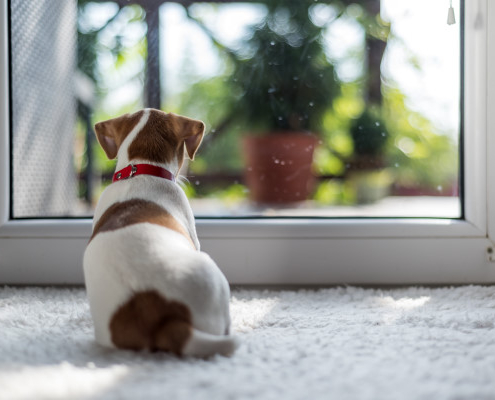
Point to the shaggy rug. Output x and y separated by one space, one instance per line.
341 343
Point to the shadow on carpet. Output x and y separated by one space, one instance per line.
340 343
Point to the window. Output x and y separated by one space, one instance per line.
424 145
328 109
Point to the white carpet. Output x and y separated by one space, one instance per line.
343 343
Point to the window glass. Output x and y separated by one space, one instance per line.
325 109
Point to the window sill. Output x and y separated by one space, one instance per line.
302 228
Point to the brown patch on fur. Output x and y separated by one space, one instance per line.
112 133
157 140
135 211
148 321
164 136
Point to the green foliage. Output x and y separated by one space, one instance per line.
336 145
420 155
211 101
369 186
286 83
369 134
229 195
108 41
334 192
327 163
188 190
232 194
97 41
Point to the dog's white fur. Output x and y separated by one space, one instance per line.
144 256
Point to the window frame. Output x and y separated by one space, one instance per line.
302 251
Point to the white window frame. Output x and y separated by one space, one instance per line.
304 251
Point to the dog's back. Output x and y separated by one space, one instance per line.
147 287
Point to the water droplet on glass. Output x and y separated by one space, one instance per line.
439 188
311 104
282 162
196 183
272 90
280 118
272 43
396 165
296 78
377 123
383 134
276 161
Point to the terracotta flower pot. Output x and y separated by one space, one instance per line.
279 167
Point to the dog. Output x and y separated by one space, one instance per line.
149 286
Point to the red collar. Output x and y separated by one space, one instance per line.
142 169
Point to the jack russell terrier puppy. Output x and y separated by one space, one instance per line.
149 285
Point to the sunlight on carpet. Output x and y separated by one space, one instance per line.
341 343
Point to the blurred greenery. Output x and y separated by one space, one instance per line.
282 78
369 133
421 156
109 59
211 101
286 83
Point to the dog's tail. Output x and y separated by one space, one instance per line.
149 321
202 344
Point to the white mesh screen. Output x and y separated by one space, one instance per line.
43 39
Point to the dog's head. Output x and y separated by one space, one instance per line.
150 135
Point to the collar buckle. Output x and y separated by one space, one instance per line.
133 171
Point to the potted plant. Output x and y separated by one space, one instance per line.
285 85
367 170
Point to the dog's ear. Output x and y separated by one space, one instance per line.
111 133
107 139
191 131
194 137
